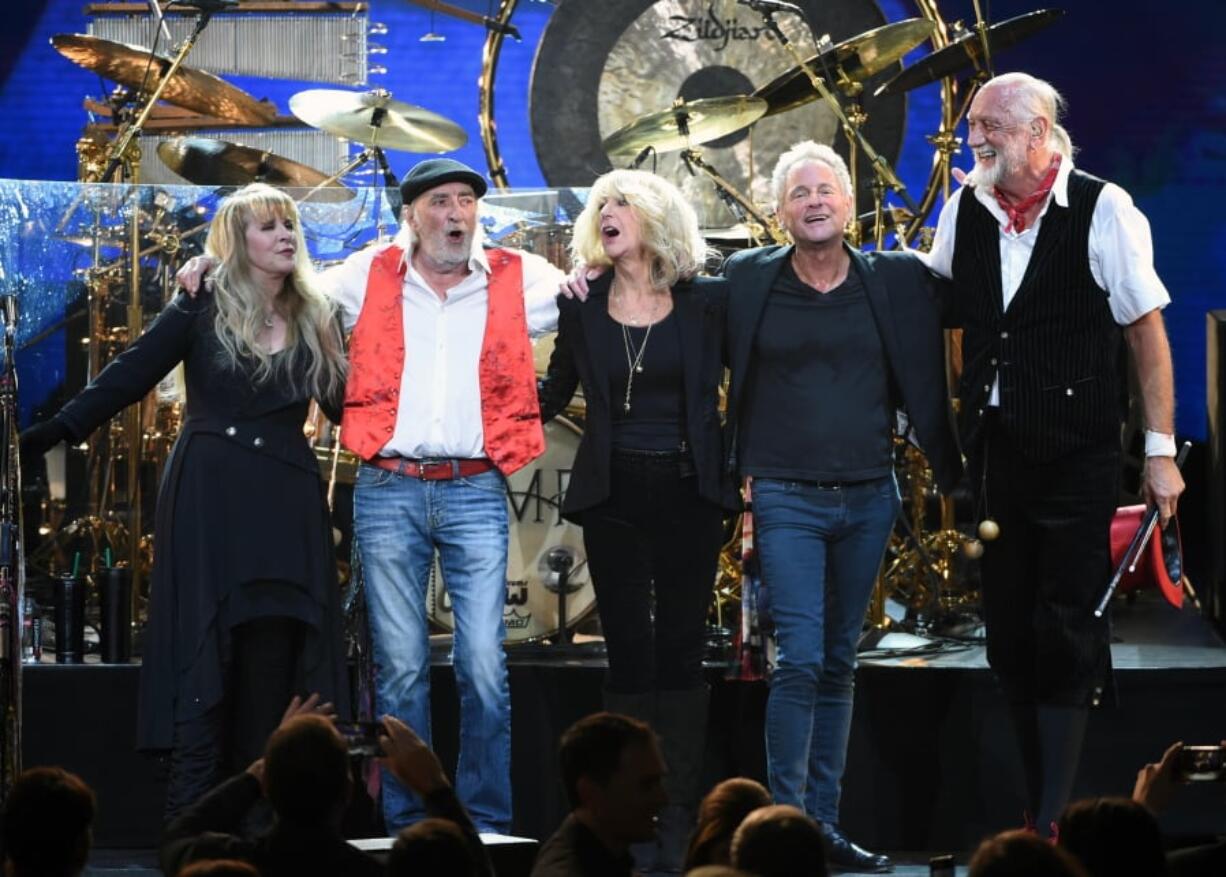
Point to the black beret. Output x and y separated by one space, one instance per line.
436 171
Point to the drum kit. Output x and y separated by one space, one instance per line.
837 80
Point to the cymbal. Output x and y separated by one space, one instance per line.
191 89
966 47
208 162
706 119
354 114
858 58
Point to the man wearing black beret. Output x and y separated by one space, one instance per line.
441 405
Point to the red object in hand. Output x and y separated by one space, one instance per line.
1160 565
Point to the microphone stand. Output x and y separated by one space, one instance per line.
120 150
855 137
12 559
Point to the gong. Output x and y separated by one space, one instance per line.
601 66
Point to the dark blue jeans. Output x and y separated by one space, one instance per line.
819 549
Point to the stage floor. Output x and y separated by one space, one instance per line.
930 767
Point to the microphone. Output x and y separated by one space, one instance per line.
770 7
207 5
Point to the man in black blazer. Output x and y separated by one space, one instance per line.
825 343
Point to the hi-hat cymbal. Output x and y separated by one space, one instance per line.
966 47
136 67
856 58
374 119
208 162
686 124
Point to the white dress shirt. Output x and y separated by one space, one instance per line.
1121 251
439 413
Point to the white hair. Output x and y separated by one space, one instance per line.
1028 97
808 151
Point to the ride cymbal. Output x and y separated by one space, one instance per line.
852 60
965 48
372 118
208 162
138 68
686 124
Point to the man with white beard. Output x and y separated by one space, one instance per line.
1052 271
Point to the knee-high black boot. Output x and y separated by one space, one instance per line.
1026 729
1061 730
683 735
639 705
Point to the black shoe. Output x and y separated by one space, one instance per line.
844 855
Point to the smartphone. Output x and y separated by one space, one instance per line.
362 737
1201 764
941 866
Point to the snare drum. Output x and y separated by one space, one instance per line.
535 494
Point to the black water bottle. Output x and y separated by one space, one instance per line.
69 620
115 597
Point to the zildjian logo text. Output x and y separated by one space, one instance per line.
711 28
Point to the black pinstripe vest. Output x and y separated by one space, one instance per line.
1057 348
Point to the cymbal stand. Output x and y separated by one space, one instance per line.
855 136
122 152
763 229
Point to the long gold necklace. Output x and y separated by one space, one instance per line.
634 353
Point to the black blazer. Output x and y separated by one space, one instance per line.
581 354
902 296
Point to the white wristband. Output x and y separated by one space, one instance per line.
1159 444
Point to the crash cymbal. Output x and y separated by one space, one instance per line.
856 58
374 119
208 162
705 119
966 47
136 67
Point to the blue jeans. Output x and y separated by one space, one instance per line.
399 523
819 549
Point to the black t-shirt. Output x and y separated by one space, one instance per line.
655 421
818 401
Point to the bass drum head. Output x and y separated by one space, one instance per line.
534 495
600 66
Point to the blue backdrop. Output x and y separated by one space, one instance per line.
1147 96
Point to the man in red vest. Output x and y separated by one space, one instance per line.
441 405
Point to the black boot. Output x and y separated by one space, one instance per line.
683 737
1061 731
1026 729
639 705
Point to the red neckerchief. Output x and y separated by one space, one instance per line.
1017 212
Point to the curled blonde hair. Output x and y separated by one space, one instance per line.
311 330
668 224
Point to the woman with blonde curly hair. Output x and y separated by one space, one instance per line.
244 607
647 482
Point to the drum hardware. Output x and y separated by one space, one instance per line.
208 162
968 48
686 124
490 54
558 562
12 557
374 119
495 25
851 62
873 225
852 121
762 228
134 66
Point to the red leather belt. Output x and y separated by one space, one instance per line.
433 470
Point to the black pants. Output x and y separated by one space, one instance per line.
1044 575
653 548
262 676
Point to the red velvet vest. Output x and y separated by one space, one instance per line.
510 413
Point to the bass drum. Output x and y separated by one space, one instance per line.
535 494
